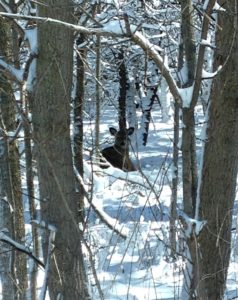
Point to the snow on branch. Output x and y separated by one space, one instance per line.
17 74
151 50
191 226
89 31
116 28
207 43
186 95
209 75
218 7
6 239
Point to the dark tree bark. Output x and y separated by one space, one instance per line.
51 120
187 60
27 97
7 259
220 166
11 165
123 91
78 118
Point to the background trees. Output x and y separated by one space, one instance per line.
83 66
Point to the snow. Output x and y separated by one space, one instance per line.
205 4
136 266
16 73
186 95
128 213
31 36
206 42
209 75
118 27
139 266
217 7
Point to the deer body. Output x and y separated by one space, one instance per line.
118 154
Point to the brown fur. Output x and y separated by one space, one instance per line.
118 155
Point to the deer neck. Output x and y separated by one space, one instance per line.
122 152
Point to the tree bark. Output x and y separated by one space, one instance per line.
123 91
7 261
219 174
27 97
11 155
51 120
78 120
188 61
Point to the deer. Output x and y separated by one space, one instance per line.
118 154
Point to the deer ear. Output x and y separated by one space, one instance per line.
113 131
130 130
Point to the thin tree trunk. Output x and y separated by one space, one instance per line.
123 91
30 191
173 208
7 261
98 94
78 119
189 54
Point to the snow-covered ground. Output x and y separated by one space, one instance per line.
139 267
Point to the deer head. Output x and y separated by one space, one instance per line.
118 154
121 138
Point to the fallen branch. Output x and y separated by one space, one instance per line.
104 217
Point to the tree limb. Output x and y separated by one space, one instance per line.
6 239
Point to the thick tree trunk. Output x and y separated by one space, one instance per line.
219 174
51 120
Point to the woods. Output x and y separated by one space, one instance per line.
162 77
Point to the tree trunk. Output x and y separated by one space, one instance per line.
98 96
30 189
220 164
123 91
11 155
51 120
187 61
7 261
78 120
174 195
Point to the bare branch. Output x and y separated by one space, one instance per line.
6 239
201 52
11 71
136 37
149 48
89 31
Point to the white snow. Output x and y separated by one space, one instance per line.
186 95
